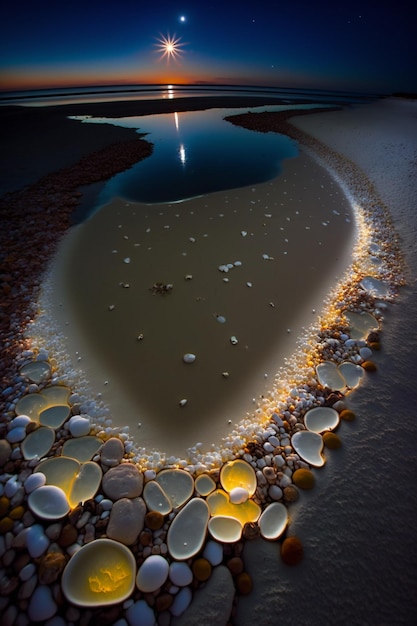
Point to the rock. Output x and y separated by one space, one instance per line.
235 565
126 520
181 602
140 614
368 366
180 574
189 358
244 584
303 478
51 567
154 520
290 494
48 502
211 604
34 481
123 481
36 541
5 451
347 415
79 426
152 573
332 441
292 551
42 605
188 530
68 536
213 552
202 569
112 452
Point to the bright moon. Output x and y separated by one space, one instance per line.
183 18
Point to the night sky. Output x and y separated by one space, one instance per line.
352 45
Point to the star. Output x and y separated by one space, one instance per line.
183 19
169 47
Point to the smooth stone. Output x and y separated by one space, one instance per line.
374 286
273 521
213 552
204 484
238 495
48 502
20 420
54 416
123 481
219 504
351 372
38 443
140 614
42 605
156 498
5 451
16 434
79 426
126 520
360 324
112 452
37 371
82 448
189 358
321 418
329 376
213 603
225 529
100 573
36 540
152 573
177 484
188 530
180 574
309 446
181 601
86 483
238 473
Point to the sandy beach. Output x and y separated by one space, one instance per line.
363 500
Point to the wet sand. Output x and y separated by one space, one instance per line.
301 220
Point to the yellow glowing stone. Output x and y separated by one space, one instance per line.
102 572
220 505
36 371
54 416
238 474
82 448
79 481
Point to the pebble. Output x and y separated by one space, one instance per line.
112 452
42 605
152 574
140 614
126 520
123 481
5 451
181 602
79 426
36 540
34 481
213 552
180 574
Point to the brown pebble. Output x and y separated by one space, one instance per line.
17 512
51 567
332 441
244 584
292 551
290 494
303 478
347 415
163 602
202 569
235 565
145 538
6 524
68 536
4 505
154 520
251 530
369 366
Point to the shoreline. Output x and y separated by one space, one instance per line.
351 299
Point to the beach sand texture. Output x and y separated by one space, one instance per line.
357 525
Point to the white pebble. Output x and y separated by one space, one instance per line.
79 426
34 481
275 492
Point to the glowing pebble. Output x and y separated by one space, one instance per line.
219 504
156 498
59 471
273 521
101 573
152 573
329 376
54 416
360 324
31 405
178 485
37 371
204 484
321 418
48 502
38 443
238 473
225 529
82 449
86 483
188 530
309 446
352 373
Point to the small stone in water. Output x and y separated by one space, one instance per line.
233 340
189 358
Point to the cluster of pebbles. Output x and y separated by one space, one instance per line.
171 531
